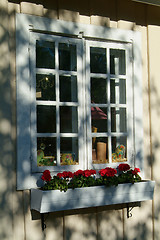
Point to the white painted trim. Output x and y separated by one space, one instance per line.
138 105
35 23
25 25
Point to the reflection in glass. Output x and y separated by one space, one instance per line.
68 119
45 54
117 61
99 119
98 61
118 91
46 151
68 89
67 57
69 151
119 149
99 90
45 87
46 119
118 120
100 150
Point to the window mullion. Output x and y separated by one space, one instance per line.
88 106
116 62
109 107
81 103
57 103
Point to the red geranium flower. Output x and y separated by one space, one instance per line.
93 172
123 167
60 175
86 173
109 172
65 174
46 176
135 171
78 173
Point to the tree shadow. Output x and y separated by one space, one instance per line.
8 117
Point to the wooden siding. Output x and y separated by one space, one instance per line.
17 222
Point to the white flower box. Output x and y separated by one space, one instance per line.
54 200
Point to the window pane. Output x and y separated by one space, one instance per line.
99 119
99 90
68 89
46 151
119 149
45 54
118 91
98 62
45 87
68 119
118 120
46 119
69 151
117 61
100 150
67 57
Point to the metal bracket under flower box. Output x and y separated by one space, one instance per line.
54 200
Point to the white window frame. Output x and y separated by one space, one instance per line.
25 26
33 38
129 108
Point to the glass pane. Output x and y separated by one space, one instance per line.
68 119
69 151
46 119
119 149
99 119
99 90
118 120
68 89
100 150
45 54
98 61
117 61
46 151
67 57
118 91
45 87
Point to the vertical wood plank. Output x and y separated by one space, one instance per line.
103 8
154 76
50 9
110 225
18 214
74 227
71 11
31 8
6 160
55 226
31 227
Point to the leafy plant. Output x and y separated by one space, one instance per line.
128 175
87 178
84 178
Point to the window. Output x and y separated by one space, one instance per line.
77 95
57 131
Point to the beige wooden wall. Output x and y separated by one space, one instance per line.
16 221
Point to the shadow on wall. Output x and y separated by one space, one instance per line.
104 223
88 222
